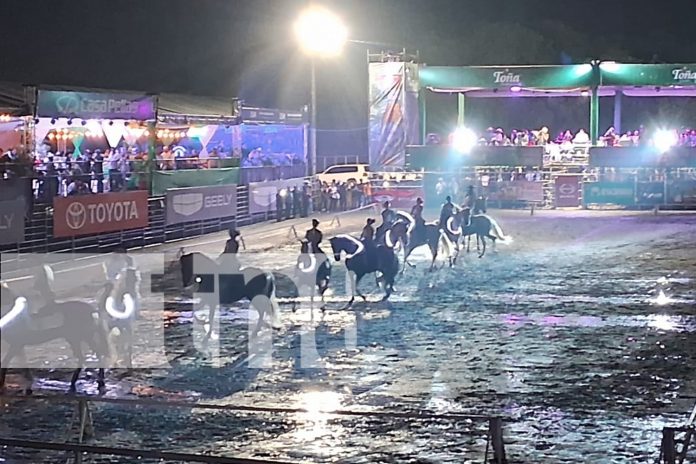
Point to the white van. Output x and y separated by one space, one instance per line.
345 173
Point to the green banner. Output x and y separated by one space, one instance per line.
616 193
492 77
164 180
647 74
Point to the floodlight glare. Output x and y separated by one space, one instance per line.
320 32
664 139
609 66
464 139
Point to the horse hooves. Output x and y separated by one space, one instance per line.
102 388
28 391
72 390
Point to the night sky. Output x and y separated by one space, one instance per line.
246 48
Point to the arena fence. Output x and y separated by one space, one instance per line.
83 417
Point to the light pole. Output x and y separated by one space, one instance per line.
321 34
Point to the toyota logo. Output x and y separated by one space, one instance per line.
566 189
76 216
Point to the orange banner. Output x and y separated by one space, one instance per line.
92 214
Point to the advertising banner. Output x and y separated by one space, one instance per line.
393 112
12 221
567 191
104 212
262 195
681 192
650 193
400 197
199 203
91 105
516 190
166 180
617 193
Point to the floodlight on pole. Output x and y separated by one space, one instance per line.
320 34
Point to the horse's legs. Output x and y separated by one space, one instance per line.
468 243
433 251
493 239
351 280
77 352
483 245
357 288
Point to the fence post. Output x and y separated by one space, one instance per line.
495 431
668 451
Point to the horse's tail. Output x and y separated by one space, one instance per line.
271 294
446 242
498 230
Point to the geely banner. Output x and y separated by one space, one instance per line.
199 203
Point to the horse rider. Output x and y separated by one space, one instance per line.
314 237
367 236
229 254
470 197
368 232
417 213
448 209
388 218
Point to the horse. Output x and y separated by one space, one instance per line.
80 323
119 305
481 225
235 284
313 269
453 230
361 261
401 233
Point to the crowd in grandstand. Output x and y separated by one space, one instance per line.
542 137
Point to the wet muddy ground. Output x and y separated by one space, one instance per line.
580 333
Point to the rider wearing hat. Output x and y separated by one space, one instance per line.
388 218
314 236
447 211
417 213
368 232
232 244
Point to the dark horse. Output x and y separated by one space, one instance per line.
235 284
403 233
362 260
481 225
313 269
76 322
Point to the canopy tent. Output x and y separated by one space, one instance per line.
183 109
13 100
594 80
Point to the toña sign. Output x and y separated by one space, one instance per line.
199 203
684 75
506 77
86 105
106 212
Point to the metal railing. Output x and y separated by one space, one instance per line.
494 450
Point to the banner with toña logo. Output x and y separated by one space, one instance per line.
105 212
199 203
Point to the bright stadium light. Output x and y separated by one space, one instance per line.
320 32
464 139
609 66
664 139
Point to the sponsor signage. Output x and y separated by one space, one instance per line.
90 105
200 203
516 190
262 195
567 191
400 197
617 193
12 221
106 212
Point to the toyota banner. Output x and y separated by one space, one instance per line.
199 203
105 212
